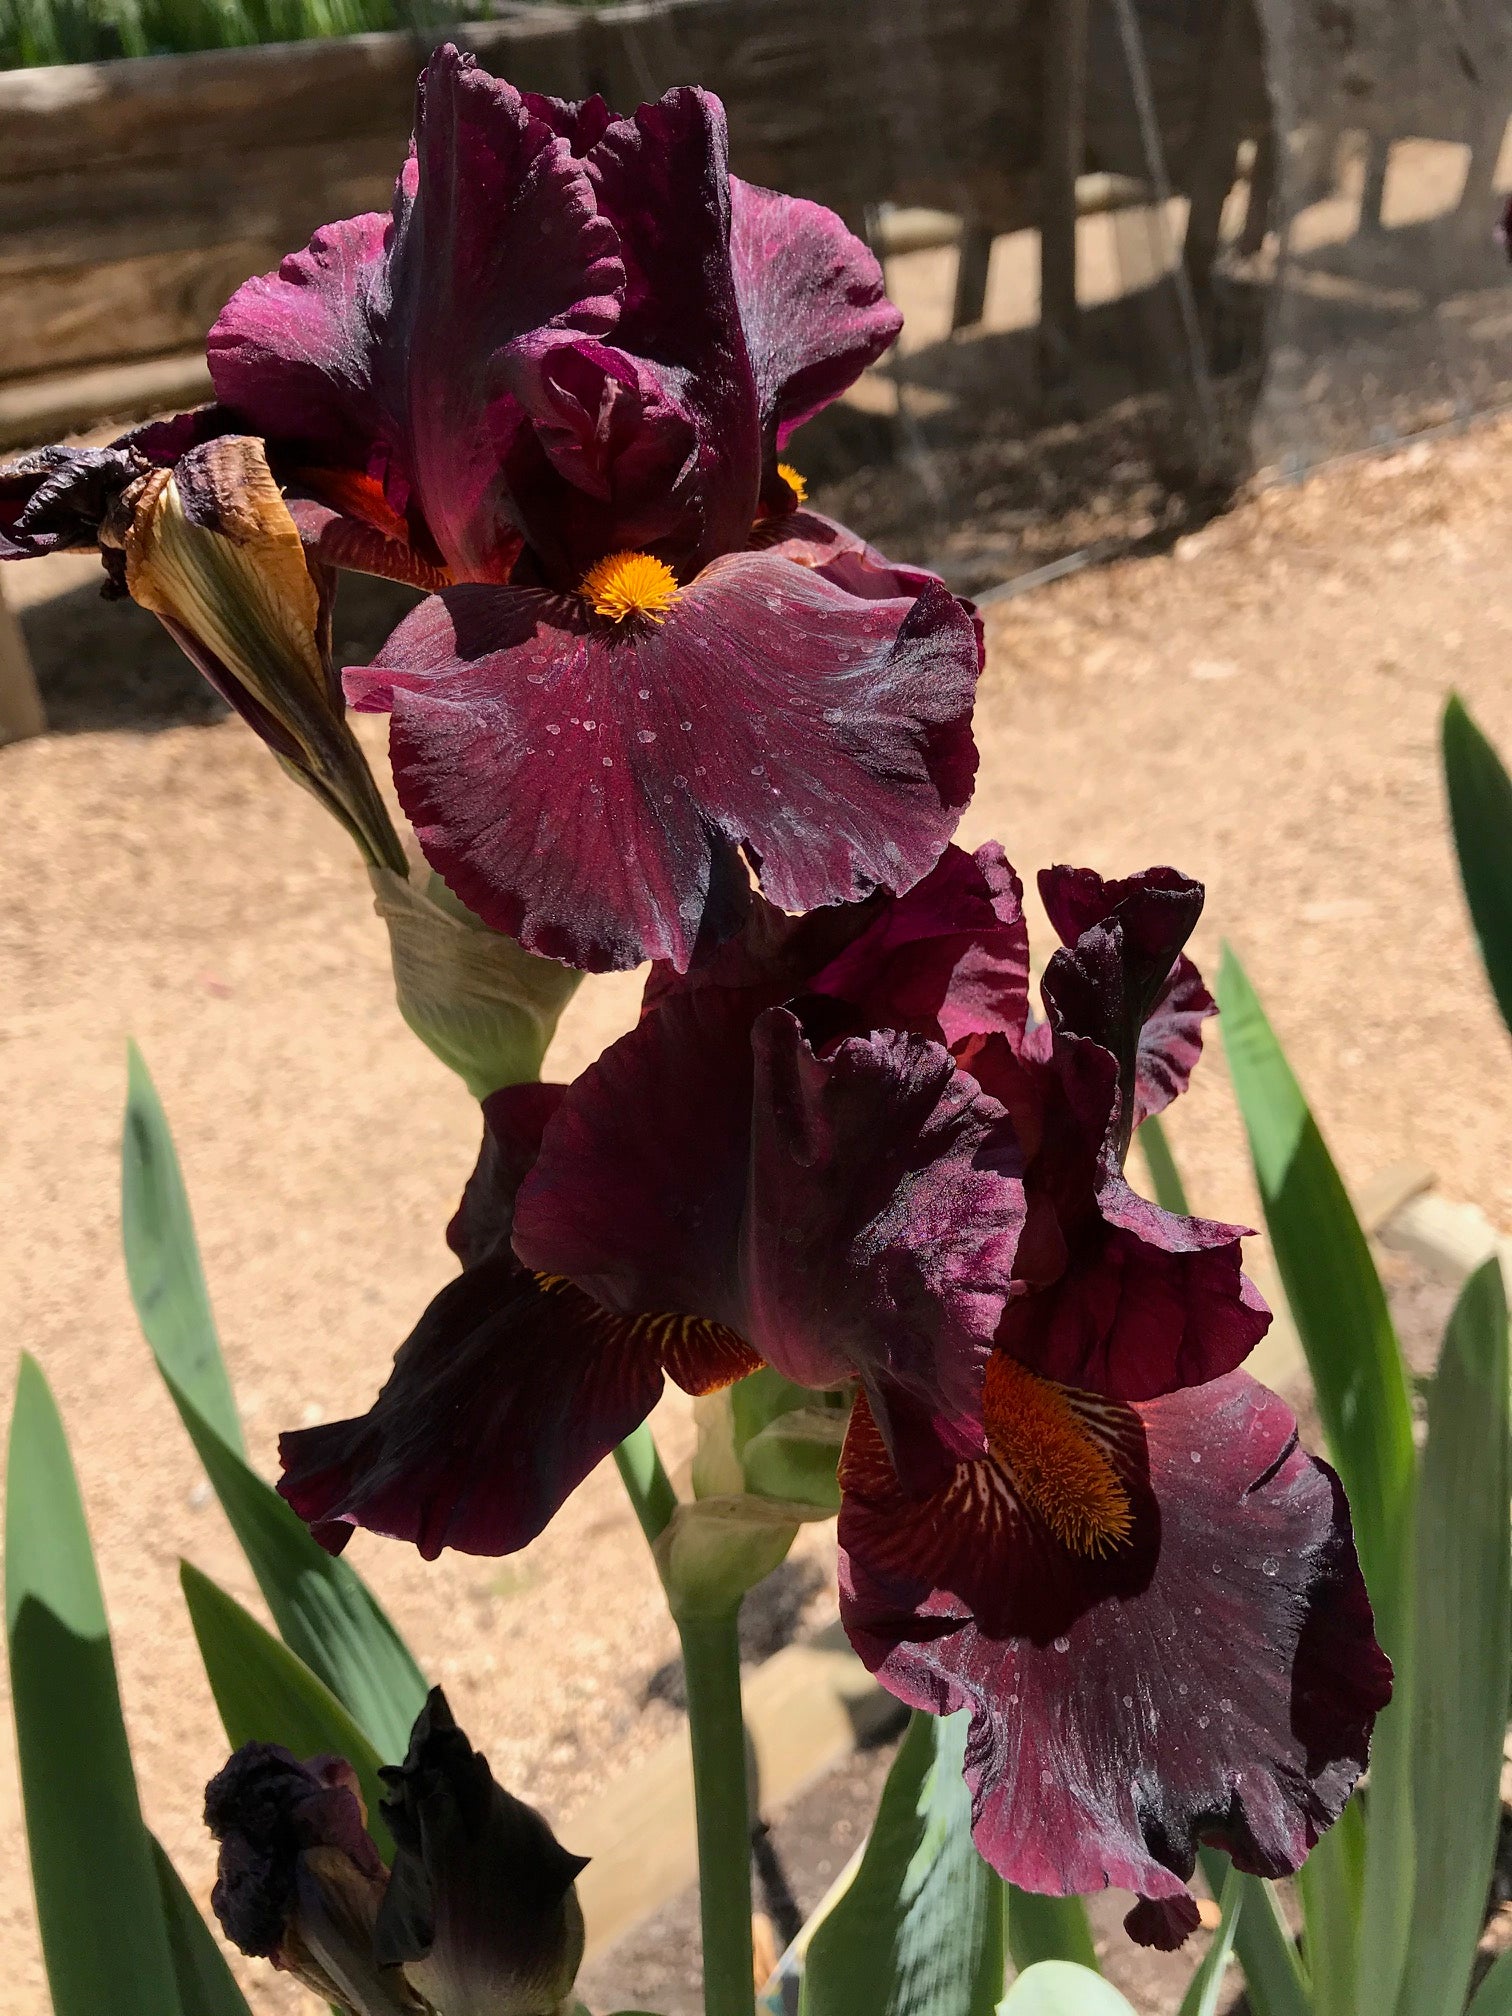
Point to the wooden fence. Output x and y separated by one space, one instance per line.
135 196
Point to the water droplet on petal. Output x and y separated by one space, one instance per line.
686 727
1202 1721
1181 1688
608 762
1196 1455
679 782
699 770
1063 1644
646 735
1128 1700
1227 1707
758 769
1217 1567
589 726
644 693
1269 1567
553 727
1047 1777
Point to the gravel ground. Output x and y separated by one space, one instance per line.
1258 706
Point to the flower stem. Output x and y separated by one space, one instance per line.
646 1482
711 1666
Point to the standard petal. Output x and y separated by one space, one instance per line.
640 1185
589 787
292 351
1213 1678
501 1401
885 1204
949 959
812 302
663 179
1170 1042
514 1119
375 348
1147 1302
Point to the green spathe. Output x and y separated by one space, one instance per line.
483 1005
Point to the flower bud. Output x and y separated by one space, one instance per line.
300 1881
483 1004
211 548
480 1911
478 1916
765 1462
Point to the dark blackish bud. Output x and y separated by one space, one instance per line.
300 1882
481 1911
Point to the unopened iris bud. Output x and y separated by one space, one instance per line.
481 1912
300 1881
478 1916
765 1463
211 549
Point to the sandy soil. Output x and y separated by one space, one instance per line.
1258 706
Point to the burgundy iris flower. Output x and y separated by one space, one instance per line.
554 384
840 1146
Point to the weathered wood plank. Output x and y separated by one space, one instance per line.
129 308
229 101
279 194
54 403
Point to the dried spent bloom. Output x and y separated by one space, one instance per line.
841 1146
478 1916
209 546
558 376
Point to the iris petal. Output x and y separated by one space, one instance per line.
375 348
1214 1679
813 306
507 1393
589 788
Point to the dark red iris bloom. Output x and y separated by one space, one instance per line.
841 1146
554 384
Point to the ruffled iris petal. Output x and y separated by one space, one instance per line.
885 1203
812 303
662 178
862 1225
1214 1678
589 787
948 959
375 349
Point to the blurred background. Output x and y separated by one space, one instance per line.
1207 336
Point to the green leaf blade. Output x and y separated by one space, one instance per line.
163 1260
324 1611
1273 1980
206 1985
1339 1307
1048 1928
1334 1293
1464 1646
265 1694
1480 812
920 1930
98 1905
1206 1985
